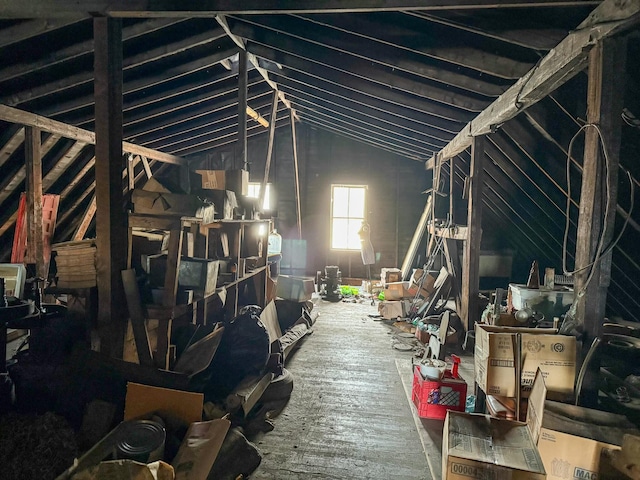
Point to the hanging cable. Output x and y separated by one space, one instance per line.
600 253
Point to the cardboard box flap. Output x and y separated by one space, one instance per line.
605 427
535 406
199 355
502 443
199 449
143 400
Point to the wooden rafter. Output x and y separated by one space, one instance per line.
339 34
417 52
293 65
563 62
79 49
222 20
14 115
303 55
209 8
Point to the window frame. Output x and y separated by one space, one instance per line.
365 188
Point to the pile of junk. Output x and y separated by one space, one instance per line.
102 416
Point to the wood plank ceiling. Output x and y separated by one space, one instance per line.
403 76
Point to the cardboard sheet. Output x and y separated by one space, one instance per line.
144 399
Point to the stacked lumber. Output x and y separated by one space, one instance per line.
76 264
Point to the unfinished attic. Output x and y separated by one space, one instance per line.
321 239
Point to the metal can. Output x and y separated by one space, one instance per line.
140 440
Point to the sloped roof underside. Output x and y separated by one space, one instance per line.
403 80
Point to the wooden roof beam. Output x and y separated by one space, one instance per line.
378 106
129 63
222 20
360 84
14 115
340 37
210 8
313 53
434 43
563 62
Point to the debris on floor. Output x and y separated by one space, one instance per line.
35 446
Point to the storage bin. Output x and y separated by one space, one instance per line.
559 300
434 399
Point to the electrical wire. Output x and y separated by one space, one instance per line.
600 253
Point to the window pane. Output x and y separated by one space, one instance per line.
254 192
356 202
340 201
354 238
340 233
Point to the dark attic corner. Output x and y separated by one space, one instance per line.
390 239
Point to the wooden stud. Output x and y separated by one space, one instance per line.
294 140
35 240
267 163
241 147
471 256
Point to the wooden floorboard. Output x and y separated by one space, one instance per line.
348 416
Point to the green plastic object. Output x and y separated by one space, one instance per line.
348 290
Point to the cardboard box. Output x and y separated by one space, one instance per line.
158 203
234 180
424 287
481 447
495 351
572 439
297 289
397 291
391 309
390 275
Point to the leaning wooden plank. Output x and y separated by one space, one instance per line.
137 316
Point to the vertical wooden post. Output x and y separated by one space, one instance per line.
294 140
35 241
604 104
471 256
111 220
267 163
452 169
241 148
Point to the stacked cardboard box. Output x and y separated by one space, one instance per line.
499 351
480 446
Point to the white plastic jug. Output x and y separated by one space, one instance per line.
275 242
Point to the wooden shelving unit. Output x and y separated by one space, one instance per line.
239 243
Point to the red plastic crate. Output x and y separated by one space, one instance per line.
433 399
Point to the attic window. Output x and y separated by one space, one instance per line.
254 192
347 215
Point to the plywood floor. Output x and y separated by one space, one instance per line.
348 416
